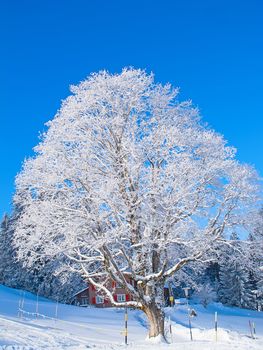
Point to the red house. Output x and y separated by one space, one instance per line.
92 296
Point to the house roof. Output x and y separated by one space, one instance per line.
80 291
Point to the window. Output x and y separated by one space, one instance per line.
118 285
99 299
121 297
84 301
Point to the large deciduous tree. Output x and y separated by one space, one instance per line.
128 181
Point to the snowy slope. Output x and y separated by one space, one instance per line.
90 328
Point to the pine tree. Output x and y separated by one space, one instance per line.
4 248
47 277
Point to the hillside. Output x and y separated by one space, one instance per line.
83 328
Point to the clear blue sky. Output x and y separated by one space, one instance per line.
211 49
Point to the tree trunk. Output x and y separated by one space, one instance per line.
156 320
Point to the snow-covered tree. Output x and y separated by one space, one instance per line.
48 277
206 294
4 247
239 270
11 270
234 286
256 260
127 181
259 291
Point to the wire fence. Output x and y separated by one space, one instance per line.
22 313
34 314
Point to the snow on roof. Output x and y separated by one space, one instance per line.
80 291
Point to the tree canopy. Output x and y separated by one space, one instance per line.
128 180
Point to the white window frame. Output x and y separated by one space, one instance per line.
99 299
84 300
121 297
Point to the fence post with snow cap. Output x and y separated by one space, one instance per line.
126 326
56 312
190 325
37 307
216 328
251 329
186 292
22 305
23 301
19 308
170 329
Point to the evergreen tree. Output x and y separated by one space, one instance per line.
50 278
237 275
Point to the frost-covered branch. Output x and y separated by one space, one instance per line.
128 182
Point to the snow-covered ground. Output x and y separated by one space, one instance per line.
90 328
